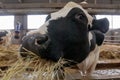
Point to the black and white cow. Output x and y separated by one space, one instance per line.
68 30
5 38
73 34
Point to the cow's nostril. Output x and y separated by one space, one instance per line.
39 41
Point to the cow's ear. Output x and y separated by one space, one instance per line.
99 37
100 25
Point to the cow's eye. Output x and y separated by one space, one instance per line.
79 16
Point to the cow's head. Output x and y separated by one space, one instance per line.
68 31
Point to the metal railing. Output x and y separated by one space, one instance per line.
115 40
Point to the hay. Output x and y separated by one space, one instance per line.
110 52
8 55
41 69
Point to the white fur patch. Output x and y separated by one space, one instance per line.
43 28
66 9
90 38
89 64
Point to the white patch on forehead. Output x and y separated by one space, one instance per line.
43 28
66 9
90 37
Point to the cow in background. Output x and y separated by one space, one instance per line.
5 38
73 34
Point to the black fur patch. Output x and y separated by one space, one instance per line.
69 37
99 37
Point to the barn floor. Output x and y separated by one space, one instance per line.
105 70
108 66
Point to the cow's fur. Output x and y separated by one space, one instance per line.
61 32
88 65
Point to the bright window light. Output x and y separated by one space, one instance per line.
35 21
6 22
113 20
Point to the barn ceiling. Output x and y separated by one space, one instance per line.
63 1
47 6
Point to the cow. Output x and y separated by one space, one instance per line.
5 37
73 34
66 28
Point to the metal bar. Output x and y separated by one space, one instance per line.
25 11
112 36
112 40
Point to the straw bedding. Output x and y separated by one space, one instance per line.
110 52
35 68
38 68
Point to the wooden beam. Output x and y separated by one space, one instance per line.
20 1
50 10
25 11
104 11
55 5
45 8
